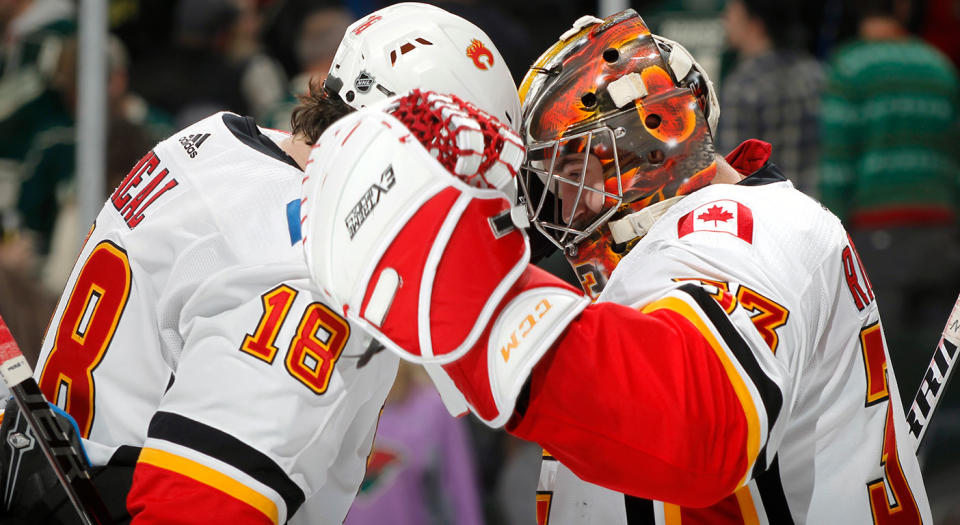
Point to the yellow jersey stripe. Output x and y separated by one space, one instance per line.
212 478
747 508
671 514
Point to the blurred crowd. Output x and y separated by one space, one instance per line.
859 98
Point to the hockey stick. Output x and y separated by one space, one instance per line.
935 379
67 462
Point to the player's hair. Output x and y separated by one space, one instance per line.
317 110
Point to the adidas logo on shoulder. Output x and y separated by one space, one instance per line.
192 143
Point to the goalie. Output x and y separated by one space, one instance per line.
731 368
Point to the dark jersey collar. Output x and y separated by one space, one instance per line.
752 158
246 131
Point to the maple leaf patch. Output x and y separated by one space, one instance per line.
721 216
715 214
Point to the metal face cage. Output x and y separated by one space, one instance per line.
544 185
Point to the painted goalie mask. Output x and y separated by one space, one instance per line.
615 120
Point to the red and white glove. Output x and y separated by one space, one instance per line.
409 225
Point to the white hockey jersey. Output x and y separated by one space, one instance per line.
834 447
190 335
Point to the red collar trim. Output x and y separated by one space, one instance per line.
750 156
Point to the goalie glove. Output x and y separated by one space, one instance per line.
409 225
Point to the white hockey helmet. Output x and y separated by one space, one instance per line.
412 45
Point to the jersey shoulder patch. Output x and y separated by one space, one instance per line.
719 216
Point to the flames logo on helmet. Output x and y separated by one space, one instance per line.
477 52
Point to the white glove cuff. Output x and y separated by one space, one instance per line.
521 334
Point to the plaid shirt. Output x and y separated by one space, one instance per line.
776 97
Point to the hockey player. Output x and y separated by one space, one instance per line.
732 368
210 380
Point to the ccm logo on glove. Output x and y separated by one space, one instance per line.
525 326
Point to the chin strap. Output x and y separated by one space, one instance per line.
637 224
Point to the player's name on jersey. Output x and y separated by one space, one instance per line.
141 188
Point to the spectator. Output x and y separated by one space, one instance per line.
47 163
774 91
48 168
18 254
542 21
33 32
507 33
283 20
420 471
890 165
317 41
127 106
26 308
133 127
199 75
263 83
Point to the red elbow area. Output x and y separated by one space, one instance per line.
649 404
169 490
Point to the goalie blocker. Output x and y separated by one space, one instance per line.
418 191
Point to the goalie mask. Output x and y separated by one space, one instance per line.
616 120
412 45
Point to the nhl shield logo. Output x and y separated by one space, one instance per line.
364 82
